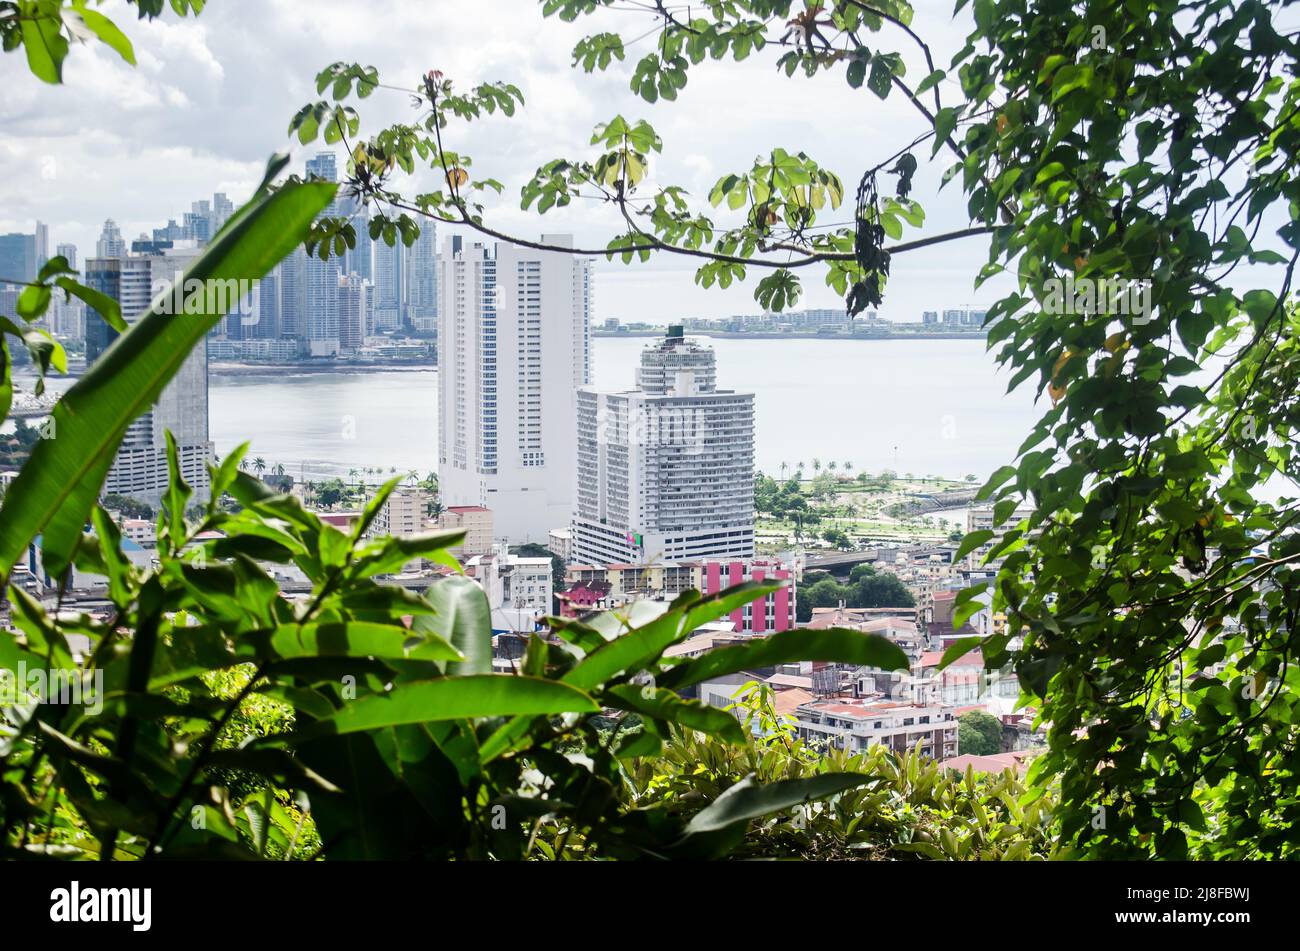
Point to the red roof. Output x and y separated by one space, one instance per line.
932 659
462 509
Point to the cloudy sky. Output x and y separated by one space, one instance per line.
211 98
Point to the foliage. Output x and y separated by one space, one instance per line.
979 734
127 507
866 588
400 742
910 808
15 447
1151 596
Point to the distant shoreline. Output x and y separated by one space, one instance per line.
768 335
279 369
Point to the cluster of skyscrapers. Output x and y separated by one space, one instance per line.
663 470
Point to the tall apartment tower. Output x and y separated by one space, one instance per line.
390 286
666 470
422 279
140 470
514 344
319 323
111 243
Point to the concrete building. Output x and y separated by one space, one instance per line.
518 588
666 470
619 584
110 244
514 344
404 514
421 273
856 724
475 521
140 470
18 257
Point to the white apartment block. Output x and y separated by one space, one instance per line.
514 344
858 724
665 471
140 470
518 588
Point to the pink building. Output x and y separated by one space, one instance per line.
767 615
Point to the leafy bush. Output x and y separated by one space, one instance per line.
909 808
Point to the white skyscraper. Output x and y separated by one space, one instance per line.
514 344
665 471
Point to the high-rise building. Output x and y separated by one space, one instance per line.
514 344
319 328
140 470
222 209
390 295
42 245
18 258
354 312
69 253
293 301
422 280
111 243
665 471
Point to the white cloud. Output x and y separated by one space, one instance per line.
212 97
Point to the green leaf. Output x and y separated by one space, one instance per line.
833 644
462 618
107 31
45 46
105 306
666 705
55 490
456 698
748 800
972 540
356 639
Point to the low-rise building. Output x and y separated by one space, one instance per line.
518 588
476 522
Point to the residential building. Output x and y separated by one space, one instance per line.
514 344
475 521
518 588
859 723
404 514
614 585
560 542
666 470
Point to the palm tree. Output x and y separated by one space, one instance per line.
279 470
259 465
784 466
243 465
352 474
832 466
848 467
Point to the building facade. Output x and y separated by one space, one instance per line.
665 471
514 344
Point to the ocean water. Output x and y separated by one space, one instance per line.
927 407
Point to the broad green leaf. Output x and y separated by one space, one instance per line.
749 800
463 618
833 644
456 698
